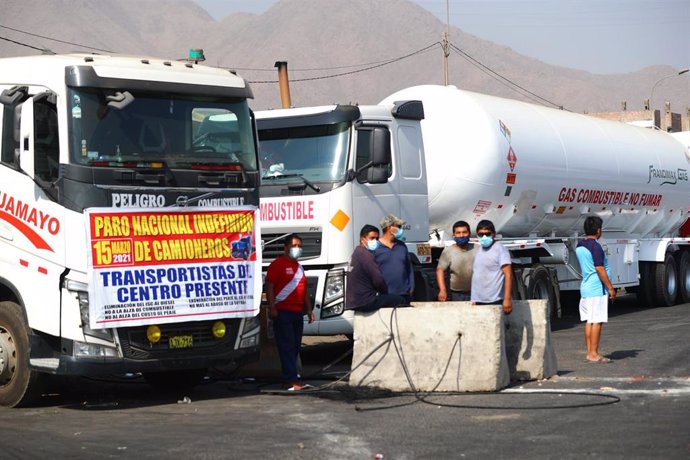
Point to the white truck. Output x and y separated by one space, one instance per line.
128 197
457 155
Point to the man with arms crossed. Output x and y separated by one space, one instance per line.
458 258
492 274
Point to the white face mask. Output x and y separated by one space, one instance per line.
372 245
295 253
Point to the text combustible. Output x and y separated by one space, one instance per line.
290 210
590 196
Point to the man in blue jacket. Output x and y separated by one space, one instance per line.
394 259
366 288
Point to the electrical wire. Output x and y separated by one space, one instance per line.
24 44
52 39
366 66
423 397
374 66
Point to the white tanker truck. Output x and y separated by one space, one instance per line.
434 155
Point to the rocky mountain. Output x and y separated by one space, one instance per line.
337 51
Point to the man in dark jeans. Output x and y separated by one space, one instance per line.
288 301
366 288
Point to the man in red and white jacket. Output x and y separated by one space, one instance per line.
288 301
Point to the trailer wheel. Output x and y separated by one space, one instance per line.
666 286
683 260
19 385
183 380
540 287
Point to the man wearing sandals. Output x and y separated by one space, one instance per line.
596 288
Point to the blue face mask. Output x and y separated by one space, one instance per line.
463 240
486 240
295 253
399 233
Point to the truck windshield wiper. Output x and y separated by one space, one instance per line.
306 181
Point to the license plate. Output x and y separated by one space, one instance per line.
181 341
423 249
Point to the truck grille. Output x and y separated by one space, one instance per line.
136 346
311 245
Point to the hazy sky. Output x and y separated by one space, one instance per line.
601 36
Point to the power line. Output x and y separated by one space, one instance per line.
504 80
23 44
368 66
381 64
52 39
312 69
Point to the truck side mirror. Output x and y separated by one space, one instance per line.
381 146
377 175
14 95
25 159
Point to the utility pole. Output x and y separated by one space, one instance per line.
445 45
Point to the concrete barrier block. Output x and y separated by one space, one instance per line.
441 346
528 343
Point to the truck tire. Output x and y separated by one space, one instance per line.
683 260
183 380
665 284
540 287
19 385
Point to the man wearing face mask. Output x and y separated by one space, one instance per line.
393 258
492 274
459 258
366 288
288 301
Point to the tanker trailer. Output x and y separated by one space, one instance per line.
538 172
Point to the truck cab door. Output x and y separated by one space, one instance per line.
32 221
375 187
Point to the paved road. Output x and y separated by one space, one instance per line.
637 407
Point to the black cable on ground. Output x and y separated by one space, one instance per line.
331 384
422 396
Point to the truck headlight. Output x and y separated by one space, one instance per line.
90 350
333 310
335 286
250 332
80 290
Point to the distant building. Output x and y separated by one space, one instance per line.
668 121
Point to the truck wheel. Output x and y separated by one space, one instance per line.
19 385
540 287
683 260
185 379
665 284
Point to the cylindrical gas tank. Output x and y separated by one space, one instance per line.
538 171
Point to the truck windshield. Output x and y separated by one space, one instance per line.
115 128
316 153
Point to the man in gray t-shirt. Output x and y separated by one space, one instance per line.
492 277
458 258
